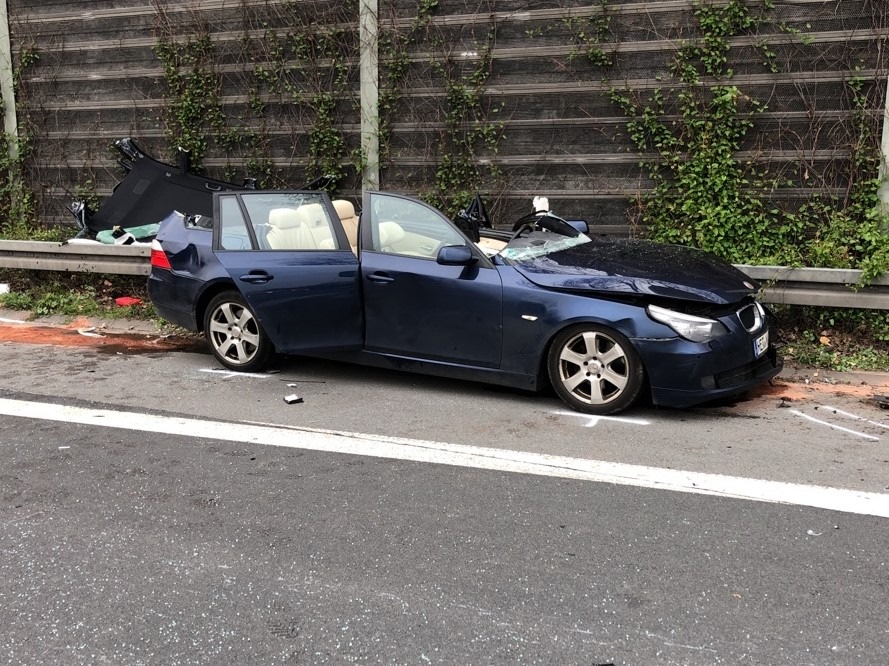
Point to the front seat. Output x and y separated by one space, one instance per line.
346 212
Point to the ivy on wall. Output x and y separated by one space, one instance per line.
295 64
472 131
703 195
395 60
298 81
312 67
18 218
194 112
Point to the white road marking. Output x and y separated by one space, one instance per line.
834 426
228 374
379 446
854 416
592 419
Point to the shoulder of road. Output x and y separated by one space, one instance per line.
874 383
108 325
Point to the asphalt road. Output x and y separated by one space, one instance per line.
177 534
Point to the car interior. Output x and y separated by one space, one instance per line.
286 224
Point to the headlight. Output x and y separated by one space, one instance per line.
696 329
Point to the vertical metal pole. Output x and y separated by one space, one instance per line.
368 36
884 163
7 89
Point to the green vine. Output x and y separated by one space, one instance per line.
703 195
310 68
470 139
18 219
195 112
395 57
327 145
590 33
854 236
18 216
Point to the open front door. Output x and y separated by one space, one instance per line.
418 306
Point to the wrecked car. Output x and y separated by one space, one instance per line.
401 286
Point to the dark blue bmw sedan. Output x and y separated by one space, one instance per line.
400 285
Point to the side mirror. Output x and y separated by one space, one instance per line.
456 255
580 225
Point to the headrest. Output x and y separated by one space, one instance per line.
312 215
344 209
284 218
390 232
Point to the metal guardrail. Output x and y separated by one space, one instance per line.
75 257
826 287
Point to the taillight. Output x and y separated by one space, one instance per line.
159 257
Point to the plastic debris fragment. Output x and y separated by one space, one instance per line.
90 332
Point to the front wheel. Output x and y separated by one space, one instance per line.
595 369
235 336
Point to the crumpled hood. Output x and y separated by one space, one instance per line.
640 267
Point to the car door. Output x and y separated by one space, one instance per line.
415 305
288 255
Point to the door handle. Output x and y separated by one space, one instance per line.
380 277
256 277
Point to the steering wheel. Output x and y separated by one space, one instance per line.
527 226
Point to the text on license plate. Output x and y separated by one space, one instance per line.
761 344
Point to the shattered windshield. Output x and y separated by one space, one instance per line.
539 244
544 235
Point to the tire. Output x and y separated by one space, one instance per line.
234 334
595 369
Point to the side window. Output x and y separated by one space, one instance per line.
409 227
233 234
284 221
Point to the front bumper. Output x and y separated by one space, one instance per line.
683 373
725 384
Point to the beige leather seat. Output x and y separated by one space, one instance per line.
315 219
287 231
390 234
346 212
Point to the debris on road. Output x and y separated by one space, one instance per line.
292 399
90 332
882 401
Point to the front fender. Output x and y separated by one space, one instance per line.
533 316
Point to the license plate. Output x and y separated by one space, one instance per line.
761 344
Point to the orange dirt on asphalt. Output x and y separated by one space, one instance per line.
79 333
796 390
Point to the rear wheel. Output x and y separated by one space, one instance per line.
595 369
235 336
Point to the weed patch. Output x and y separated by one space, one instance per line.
46 293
